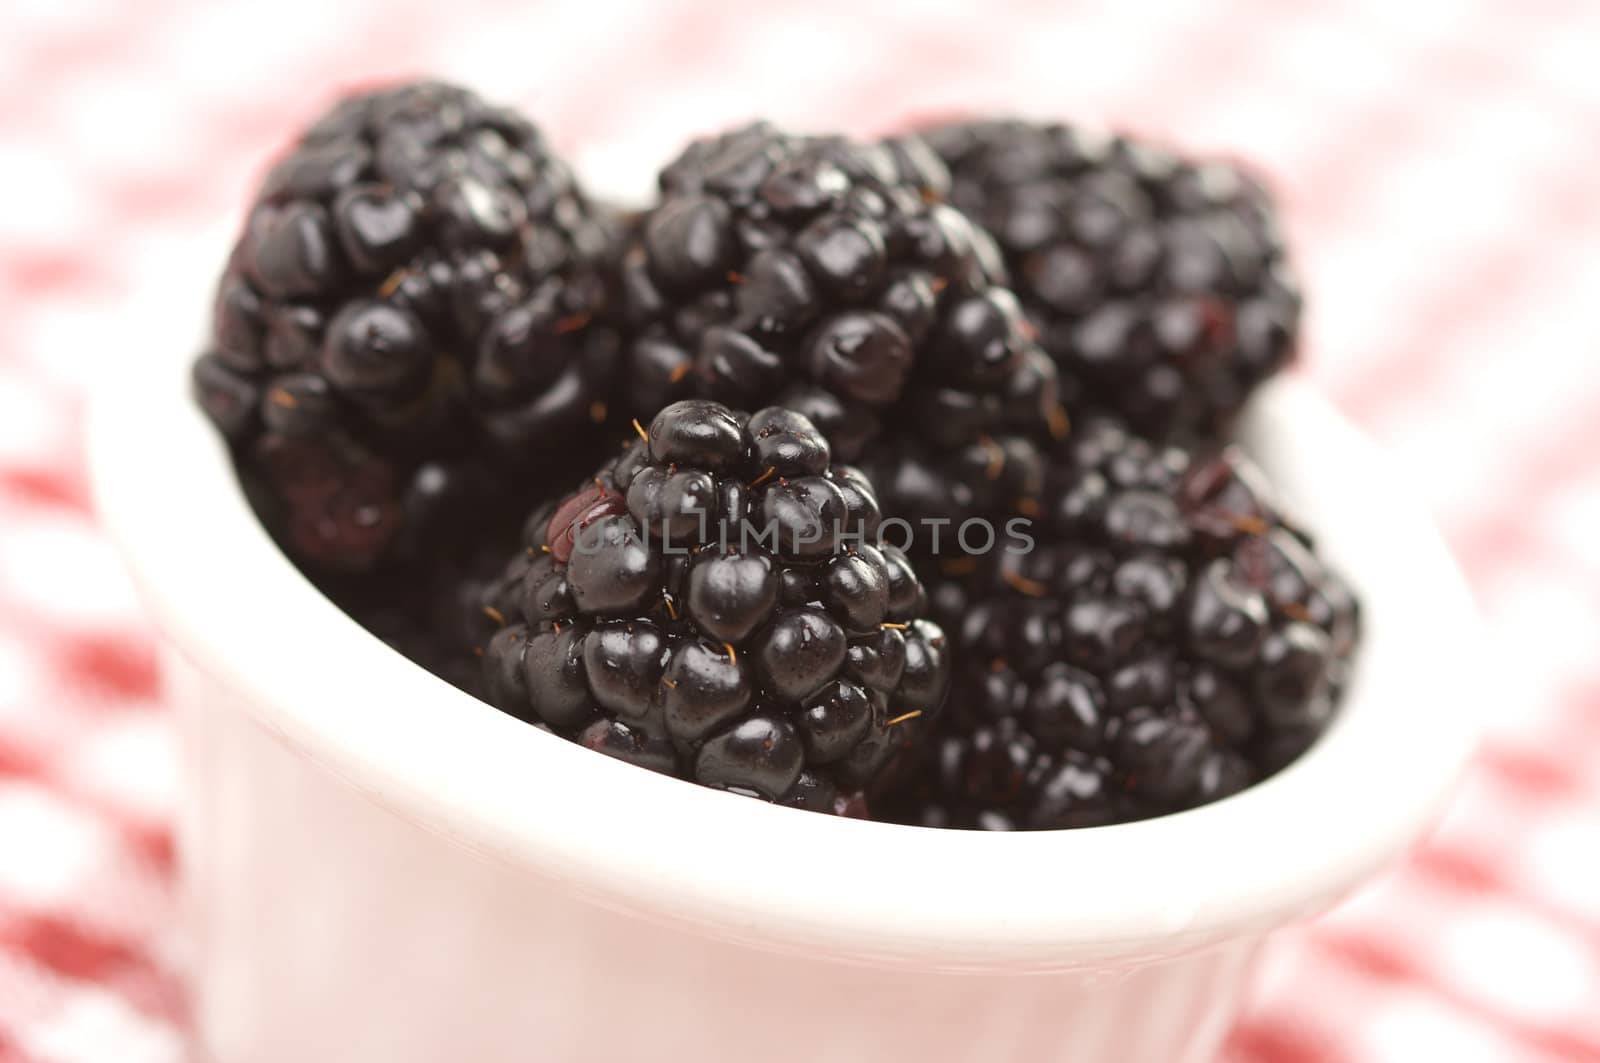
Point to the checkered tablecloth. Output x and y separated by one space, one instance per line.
1440 164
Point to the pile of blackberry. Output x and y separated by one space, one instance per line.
982 557
418 298
711 605
1158 284
1168 639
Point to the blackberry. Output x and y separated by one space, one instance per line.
825 275
1159 284
419 284
712 605
1167 638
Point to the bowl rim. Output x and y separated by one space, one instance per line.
777 877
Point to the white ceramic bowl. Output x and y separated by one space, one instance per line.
381 869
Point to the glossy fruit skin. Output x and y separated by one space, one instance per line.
1159 284
1170 639
419 285
756 640
826 276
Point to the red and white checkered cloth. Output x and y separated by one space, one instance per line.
1440 161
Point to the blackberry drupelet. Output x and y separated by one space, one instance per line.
419 285
1169 639
1159 284
712 605
824 275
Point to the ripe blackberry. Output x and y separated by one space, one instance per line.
419 282
712 605
1159 284
1168 639
823 274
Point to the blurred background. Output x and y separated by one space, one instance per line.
1438 162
